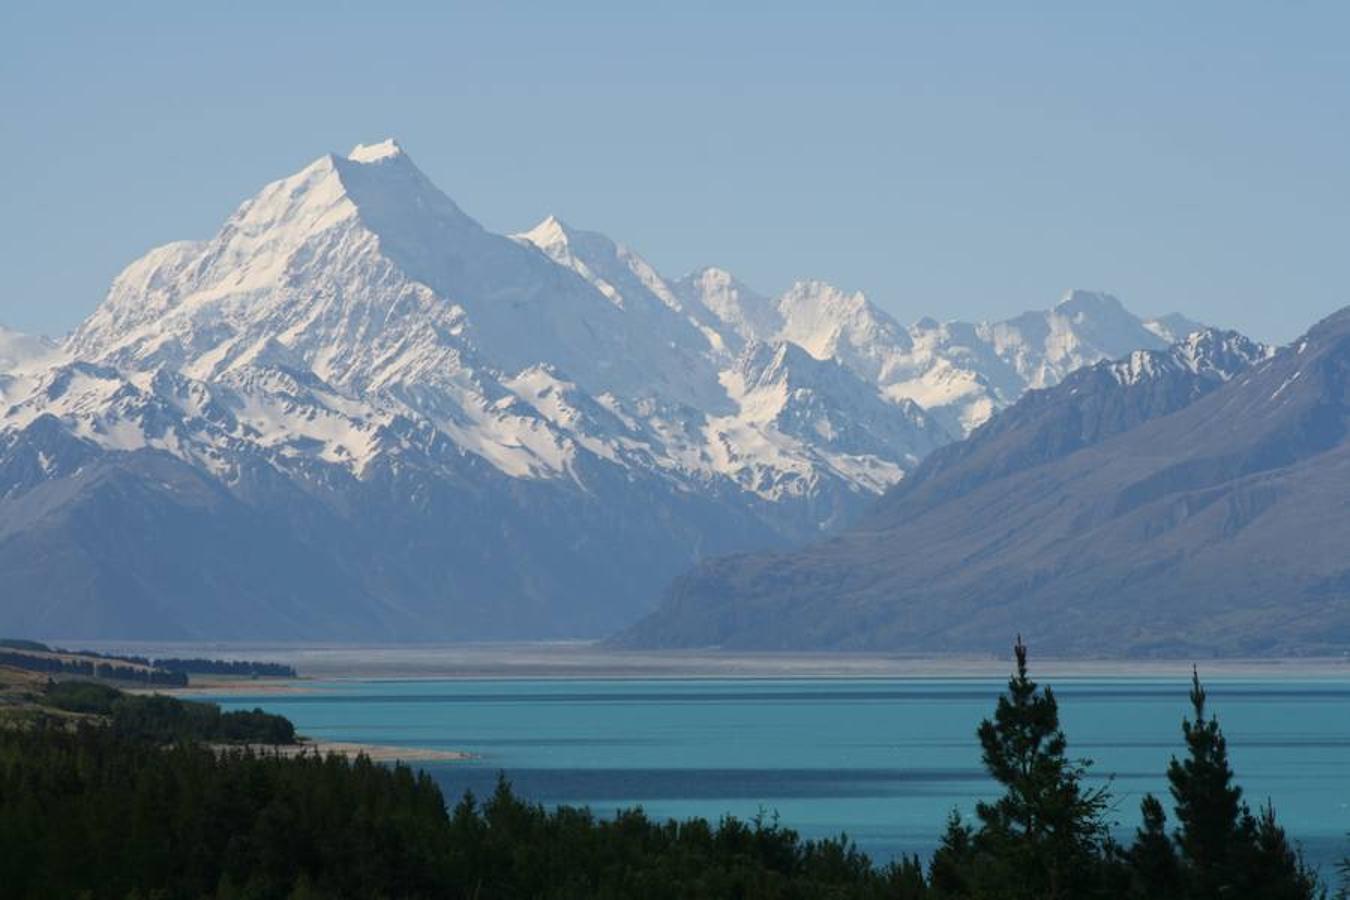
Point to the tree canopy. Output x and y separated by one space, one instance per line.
140 807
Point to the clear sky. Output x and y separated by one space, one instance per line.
961 160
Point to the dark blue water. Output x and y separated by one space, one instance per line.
884 760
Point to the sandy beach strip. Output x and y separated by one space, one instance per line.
326 664
376 752
224 685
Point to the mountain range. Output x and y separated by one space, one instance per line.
355 413
1173 503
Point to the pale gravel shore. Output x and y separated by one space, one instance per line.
223 686
563 660
376 752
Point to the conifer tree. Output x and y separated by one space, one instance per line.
1226 851
905 881
1213 819
949 872
1274 869
1044 837
1154 867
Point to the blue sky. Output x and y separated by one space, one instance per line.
961 160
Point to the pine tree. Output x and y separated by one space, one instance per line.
949 872
1274 869
1154 867
905 881
1045 835
1225 850
1213 819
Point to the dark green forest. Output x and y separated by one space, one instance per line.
171 671
125 811
160 719
87 666
233 667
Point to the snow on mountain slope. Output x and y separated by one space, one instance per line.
830 324
966 372
730 306
352 347
1165 480
960 372
1210 353
758 439
21 357
792 405
359 275
19 350
1173 327
485 435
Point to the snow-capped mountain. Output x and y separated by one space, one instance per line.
966 372
472 434
1182 502
961 373
19 350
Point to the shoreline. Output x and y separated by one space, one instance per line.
381 753
579 661
213 686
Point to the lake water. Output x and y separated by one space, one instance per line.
884 760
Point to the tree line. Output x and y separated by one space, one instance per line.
187 666
157 719
237 667
92 667
103 812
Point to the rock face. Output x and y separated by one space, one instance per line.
1186 502
354 413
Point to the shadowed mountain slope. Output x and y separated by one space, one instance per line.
1187 502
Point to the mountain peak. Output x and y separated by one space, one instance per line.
711 277
374 153
1081 301
552 231
1174 327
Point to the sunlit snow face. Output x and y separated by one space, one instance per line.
352 304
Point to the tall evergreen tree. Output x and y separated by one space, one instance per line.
950 870
1274 869
1044 837
1213 819
1154 867
1226 851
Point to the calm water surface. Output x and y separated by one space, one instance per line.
883 760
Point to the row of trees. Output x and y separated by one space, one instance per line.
157 719
104 813
235 667
187 666
195 665
91 667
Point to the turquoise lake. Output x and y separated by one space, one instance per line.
884 760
